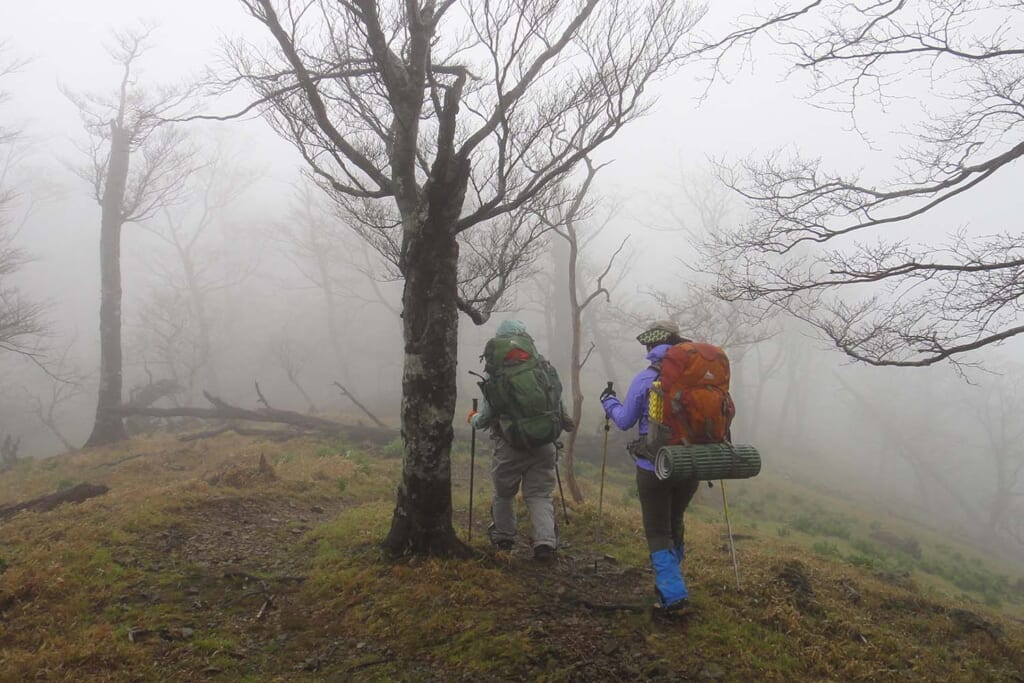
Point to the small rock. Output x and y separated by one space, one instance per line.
183 633
317 509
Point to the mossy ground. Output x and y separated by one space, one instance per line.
236 559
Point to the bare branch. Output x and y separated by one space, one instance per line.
919 304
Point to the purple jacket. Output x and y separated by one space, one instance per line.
627 413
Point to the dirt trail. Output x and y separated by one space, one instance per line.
242 561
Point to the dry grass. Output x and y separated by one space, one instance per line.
201 563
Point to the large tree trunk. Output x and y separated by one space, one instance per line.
422 521
109 426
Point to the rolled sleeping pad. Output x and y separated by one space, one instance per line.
707 461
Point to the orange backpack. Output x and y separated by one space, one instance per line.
694 392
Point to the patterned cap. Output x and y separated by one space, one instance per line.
658 332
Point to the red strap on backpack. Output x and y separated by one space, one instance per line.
517 356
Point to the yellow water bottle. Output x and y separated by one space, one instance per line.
655 403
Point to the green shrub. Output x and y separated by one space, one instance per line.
861 561
868 549
826 548
822 524
362 462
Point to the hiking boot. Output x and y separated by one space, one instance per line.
544 553
678 605
504 546
680 609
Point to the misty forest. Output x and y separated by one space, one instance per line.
254 256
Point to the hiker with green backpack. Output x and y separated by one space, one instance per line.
682 397
522 406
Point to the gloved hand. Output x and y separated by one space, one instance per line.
567 424
608 393
469 418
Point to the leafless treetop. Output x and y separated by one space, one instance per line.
950 295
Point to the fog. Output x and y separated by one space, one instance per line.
251 274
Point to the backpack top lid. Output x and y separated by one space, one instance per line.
694 364
511 345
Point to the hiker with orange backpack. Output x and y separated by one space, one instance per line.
663 501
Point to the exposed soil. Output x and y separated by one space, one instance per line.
242 562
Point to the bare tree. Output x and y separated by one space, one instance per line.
9 452
21 319
289 357
218 182
926 302
336 262
569 224
427 120
66 382
998 410
167 338
124 127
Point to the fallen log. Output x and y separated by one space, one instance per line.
75 494
222 410
305 425
588 446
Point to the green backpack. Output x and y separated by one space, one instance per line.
523 391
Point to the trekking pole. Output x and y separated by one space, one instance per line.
558 478
728 527
604 460
472 469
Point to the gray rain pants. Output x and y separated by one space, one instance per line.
535 469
